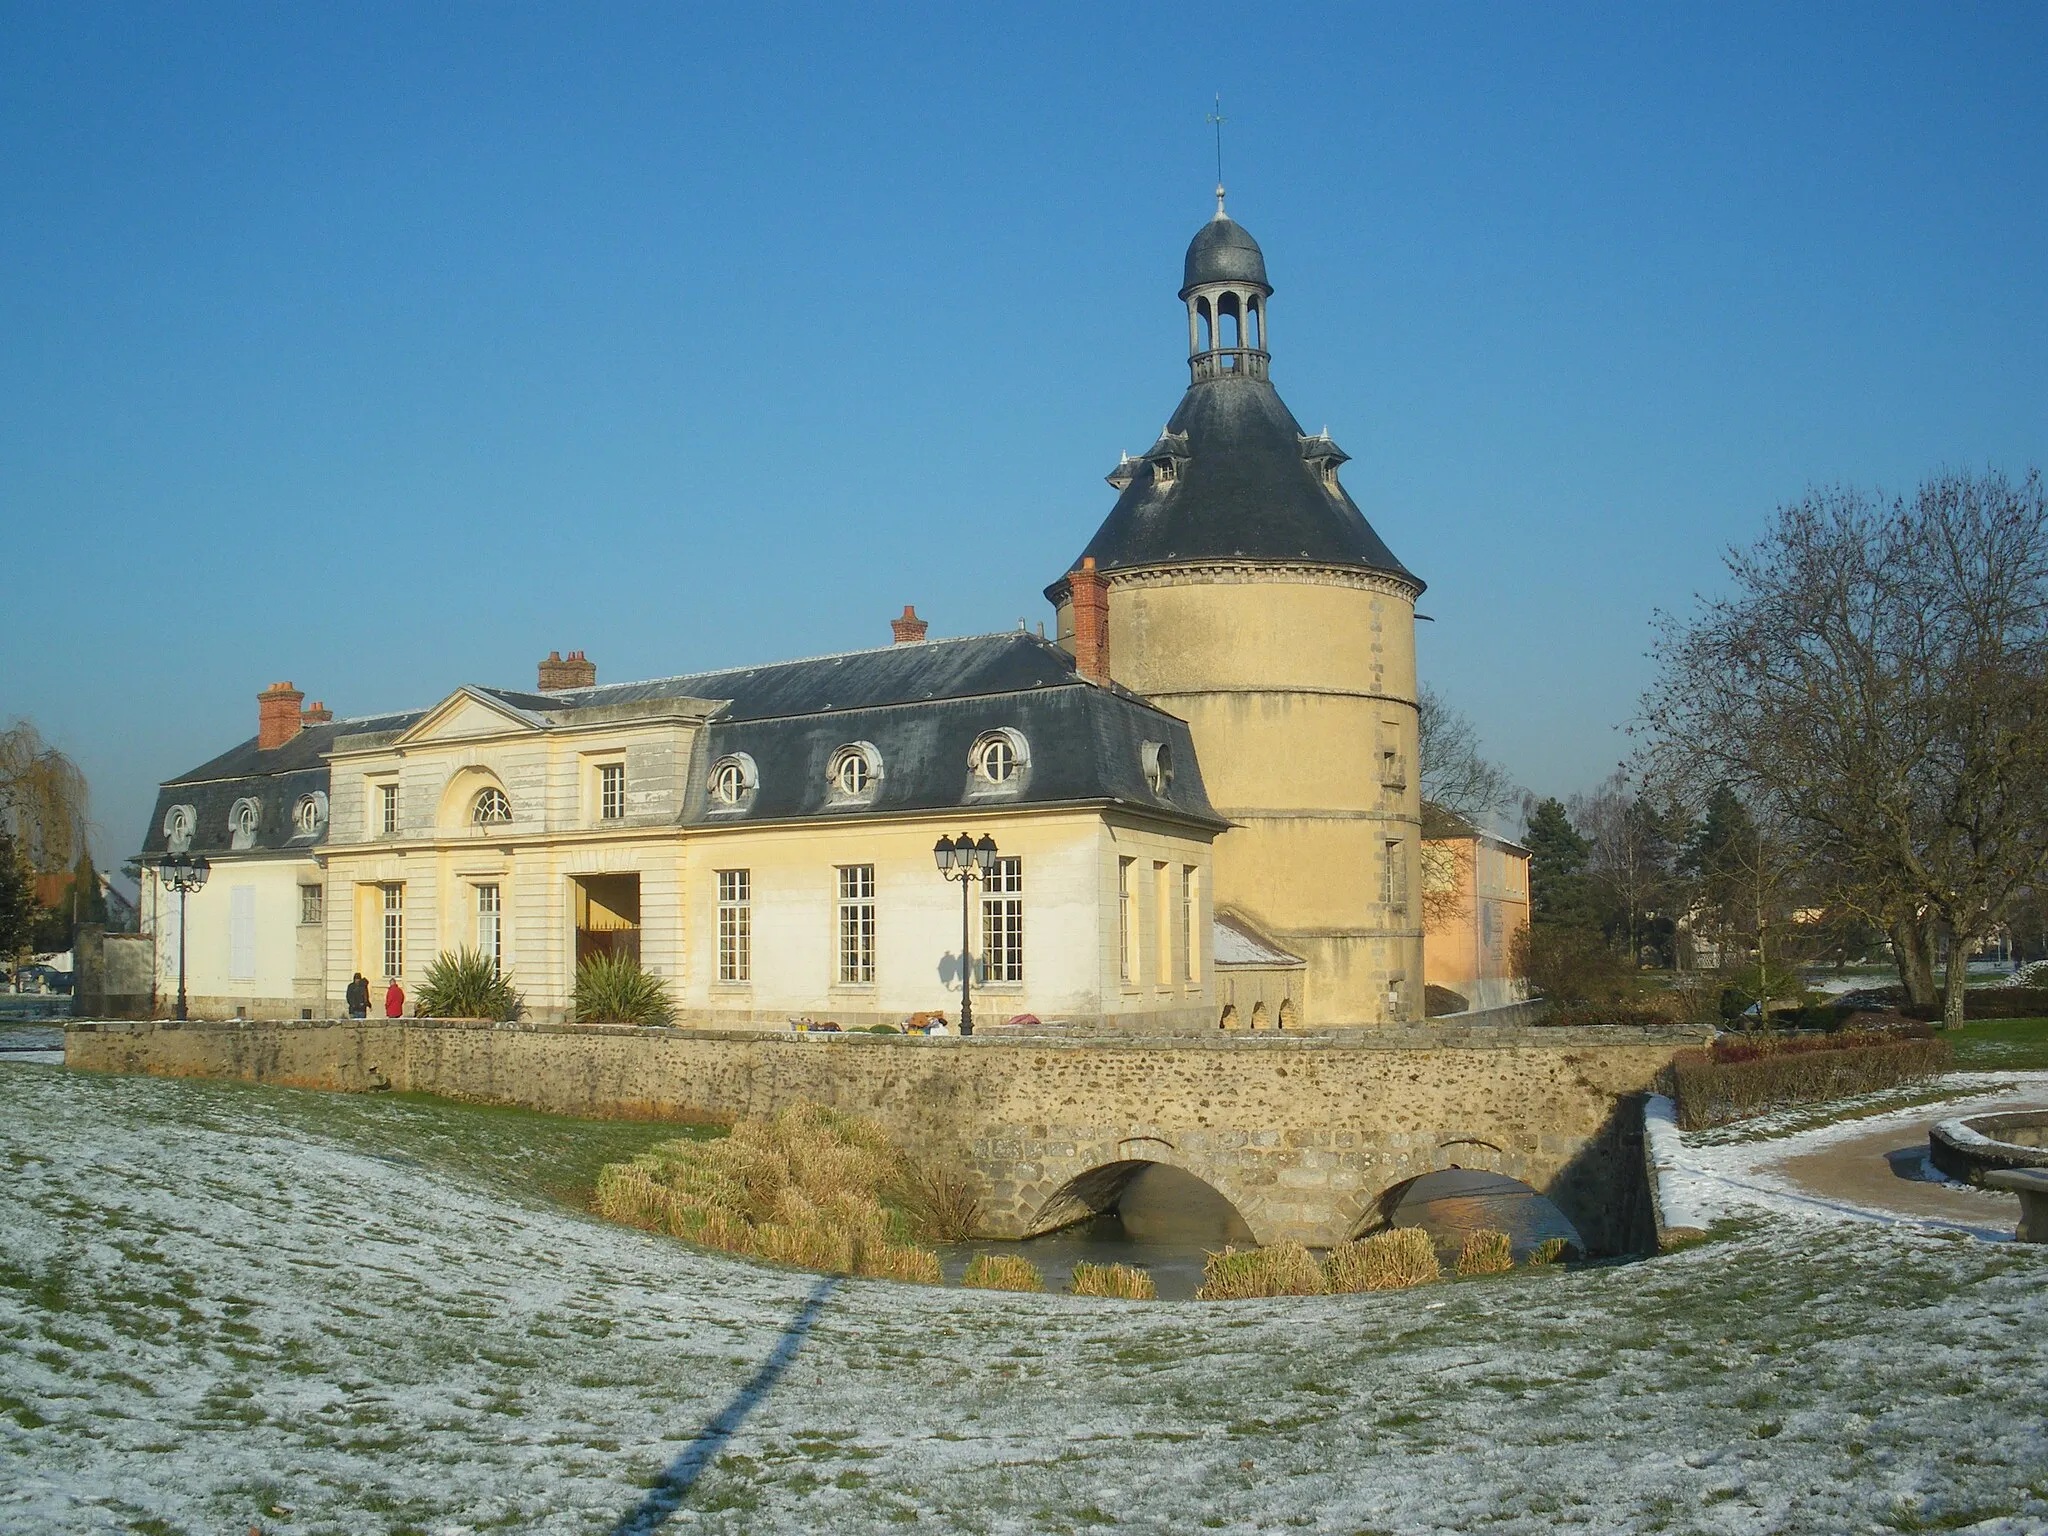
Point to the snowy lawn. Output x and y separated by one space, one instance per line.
219 1301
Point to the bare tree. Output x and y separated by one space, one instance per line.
1460 788
1630 859
43 800
1877 684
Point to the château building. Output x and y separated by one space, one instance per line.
1204 796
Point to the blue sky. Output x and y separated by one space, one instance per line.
385 347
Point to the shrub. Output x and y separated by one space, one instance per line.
612 989
1002 1272
1387 1261
942 1206
1121 1281
1636 1014
1989 1003
1570 964
1735 1078
1485 1252
1284 1269
468 985
803 1189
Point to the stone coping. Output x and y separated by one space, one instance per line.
1382 1038
1969 1148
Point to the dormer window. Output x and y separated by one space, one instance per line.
180 821
309 816
491 808
1164 472
732 780
854 772
998 760
243 821
1157 758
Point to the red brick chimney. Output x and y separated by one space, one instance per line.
315 713
572 671
1090 596
277 716
909 629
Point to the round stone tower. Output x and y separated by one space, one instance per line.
1236 584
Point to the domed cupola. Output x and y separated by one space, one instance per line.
1225 289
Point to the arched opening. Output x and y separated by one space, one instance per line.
1255 322
1202 326
1454 1201
1144 1203
1229 327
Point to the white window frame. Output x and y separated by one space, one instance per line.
1394 875
492 807
1002 924
312 905
393 931
856 925
387 807
611 791
735 927
490 923
1190 909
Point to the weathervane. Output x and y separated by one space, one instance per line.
1218 119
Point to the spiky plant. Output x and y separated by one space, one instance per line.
612 989
1283 1269
467 984
1002 1272
1386 1261
1485 1252
1122 1281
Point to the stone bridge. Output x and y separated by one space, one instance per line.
1302 1133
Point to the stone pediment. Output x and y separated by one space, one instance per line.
468 713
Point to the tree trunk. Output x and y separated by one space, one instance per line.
1915 957
1955 977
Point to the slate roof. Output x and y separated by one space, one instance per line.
1223 251
1245 492
921 706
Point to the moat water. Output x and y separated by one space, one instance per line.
1166 1222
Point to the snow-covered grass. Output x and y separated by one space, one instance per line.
218 1301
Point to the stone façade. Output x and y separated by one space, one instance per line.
1303 1134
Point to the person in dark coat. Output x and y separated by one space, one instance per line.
358 997
394 1001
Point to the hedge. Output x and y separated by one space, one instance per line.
1990 1003
1737 1078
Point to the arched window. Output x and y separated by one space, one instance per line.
243 821
179 823
854 771
733 778
490 808
998 759
310 814
1157 758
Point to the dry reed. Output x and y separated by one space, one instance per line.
1485 1252
1121 1281
1550 1251
1386 1261
802 1189
1002 1272
943 1207
1284 1269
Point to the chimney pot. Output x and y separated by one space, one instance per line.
277 716
909 629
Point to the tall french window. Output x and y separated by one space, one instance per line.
857 925
611 791
490 926
736 925
394 930
1394 878
1126 923
1002 921
1190 909
312 905
387 805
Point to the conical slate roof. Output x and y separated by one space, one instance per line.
1245 491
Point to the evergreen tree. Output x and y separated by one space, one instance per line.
88 901
17 901
1557 866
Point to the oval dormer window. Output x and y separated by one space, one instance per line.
733 779
999 759
491 808
1158 761
309 816
243 821
855 771
180 821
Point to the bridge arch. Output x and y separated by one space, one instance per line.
1098 1187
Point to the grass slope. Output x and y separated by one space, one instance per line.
213 1303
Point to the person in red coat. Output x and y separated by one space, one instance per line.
394 1001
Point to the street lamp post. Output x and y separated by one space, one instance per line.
183 875
962 858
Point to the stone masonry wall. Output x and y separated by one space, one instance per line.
1303 1134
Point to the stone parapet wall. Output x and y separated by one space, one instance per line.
1302 1133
